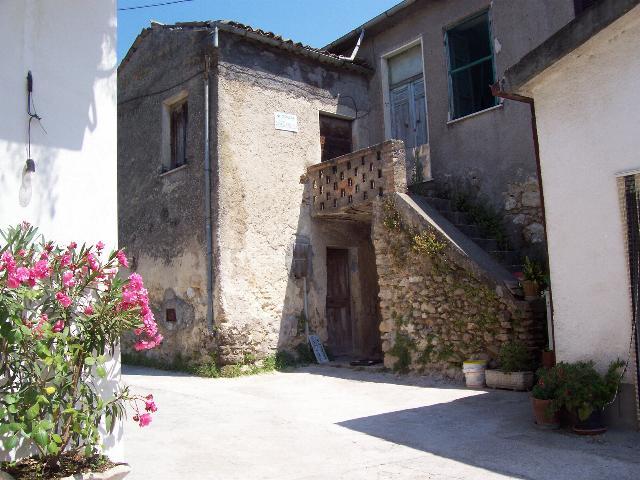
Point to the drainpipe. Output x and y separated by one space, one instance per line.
355 50
497 91
207 197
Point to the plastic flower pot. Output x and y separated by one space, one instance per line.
594 424
542 414
474 373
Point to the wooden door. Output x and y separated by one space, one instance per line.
339 325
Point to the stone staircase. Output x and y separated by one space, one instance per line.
508 258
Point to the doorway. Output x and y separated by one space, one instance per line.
406 112
339 324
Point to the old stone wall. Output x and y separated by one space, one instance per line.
523 209
437 311
161 213
262 210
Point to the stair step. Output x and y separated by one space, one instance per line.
506 257
487 244
440 204
469 230
456 217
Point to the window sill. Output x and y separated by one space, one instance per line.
181 167
474 114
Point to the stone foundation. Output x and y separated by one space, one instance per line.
436 310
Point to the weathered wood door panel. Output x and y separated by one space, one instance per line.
339 325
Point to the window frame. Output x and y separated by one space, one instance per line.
180 108
169 105
451 115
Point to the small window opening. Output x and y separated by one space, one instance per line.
170 315
178 128
335 137
471 66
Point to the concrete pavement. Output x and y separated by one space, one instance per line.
334 423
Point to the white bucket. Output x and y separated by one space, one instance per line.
474 373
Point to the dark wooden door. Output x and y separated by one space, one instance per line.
339 302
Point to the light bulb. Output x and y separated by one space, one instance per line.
26 190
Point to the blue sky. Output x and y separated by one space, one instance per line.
313 22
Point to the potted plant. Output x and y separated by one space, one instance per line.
515 368
584 393
62 311
533 278
544 397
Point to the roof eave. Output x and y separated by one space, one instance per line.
563 42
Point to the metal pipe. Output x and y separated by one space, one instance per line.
207 197
355 50
306 307
497 91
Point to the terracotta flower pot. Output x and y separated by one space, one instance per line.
531 289
548 359
543 418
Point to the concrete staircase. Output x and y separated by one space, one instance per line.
462 221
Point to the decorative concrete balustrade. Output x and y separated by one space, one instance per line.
346 186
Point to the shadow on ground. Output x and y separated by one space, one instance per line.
494 431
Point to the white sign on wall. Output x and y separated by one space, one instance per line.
286 121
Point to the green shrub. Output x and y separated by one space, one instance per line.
514 357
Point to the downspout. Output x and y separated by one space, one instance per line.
207 196
497 91
355 50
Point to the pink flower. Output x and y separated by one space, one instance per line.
99 246
88 310
41 269
58 326
13 281
63 299
65 259
67 279
7 262
25 225
22 274
44 255
48 247
149 404
145 419
22 252
122 259
72 246
93 263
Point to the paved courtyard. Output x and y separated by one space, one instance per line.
336 423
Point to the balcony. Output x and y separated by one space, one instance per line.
345 187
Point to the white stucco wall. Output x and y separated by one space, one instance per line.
70 48
588 127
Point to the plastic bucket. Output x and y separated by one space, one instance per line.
474 373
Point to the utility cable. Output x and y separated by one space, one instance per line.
154 5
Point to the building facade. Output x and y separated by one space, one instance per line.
588 155
69 47
222 133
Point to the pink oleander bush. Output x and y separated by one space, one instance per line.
62 312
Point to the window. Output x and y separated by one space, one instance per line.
471 70
335 137
178 127
407 98
170 315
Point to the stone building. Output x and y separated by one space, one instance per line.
253 169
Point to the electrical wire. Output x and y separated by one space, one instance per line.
154 5
158 92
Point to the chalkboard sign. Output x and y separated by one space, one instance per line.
318 349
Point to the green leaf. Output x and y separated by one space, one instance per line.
9 399
46 424
12 409
101 371
11 442
89 361
56 438
40 437
52 448
33 411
